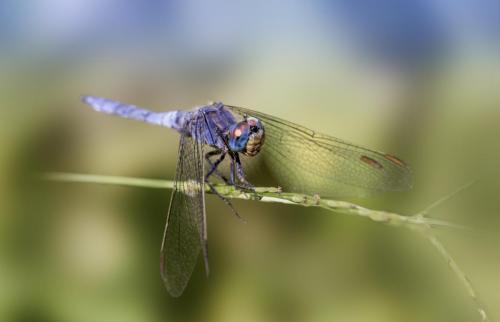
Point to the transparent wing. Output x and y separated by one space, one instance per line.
185 231
311 162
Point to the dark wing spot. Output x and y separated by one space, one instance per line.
371 162
395 160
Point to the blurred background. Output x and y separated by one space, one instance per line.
417 79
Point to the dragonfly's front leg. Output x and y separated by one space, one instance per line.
231 172
244 184
214 165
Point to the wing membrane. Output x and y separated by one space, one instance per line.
185 230
311 162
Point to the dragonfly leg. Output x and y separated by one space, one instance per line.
231 172
241 175
226 201
244 184
214 165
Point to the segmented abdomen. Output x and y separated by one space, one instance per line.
173 119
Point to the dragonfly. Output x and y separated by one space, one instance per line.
303 160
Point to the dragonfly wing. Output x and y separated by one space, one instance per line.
311 162
185 231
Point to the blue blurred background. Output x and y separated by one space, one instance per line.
418 79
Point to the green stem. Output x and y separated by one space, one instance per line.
109 180
262 194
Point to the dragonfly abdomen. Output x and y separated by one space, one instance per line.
176 120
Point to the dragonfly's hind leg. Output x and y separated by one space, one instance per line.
226 201
213 170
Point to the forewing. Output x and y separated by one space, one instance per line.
185 231
311 162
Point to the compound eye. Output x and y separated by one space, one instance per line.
237 133
254 129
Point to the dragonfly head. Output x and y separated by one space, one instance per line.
247 136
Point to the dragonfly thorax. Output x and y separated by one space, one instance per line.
247 136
